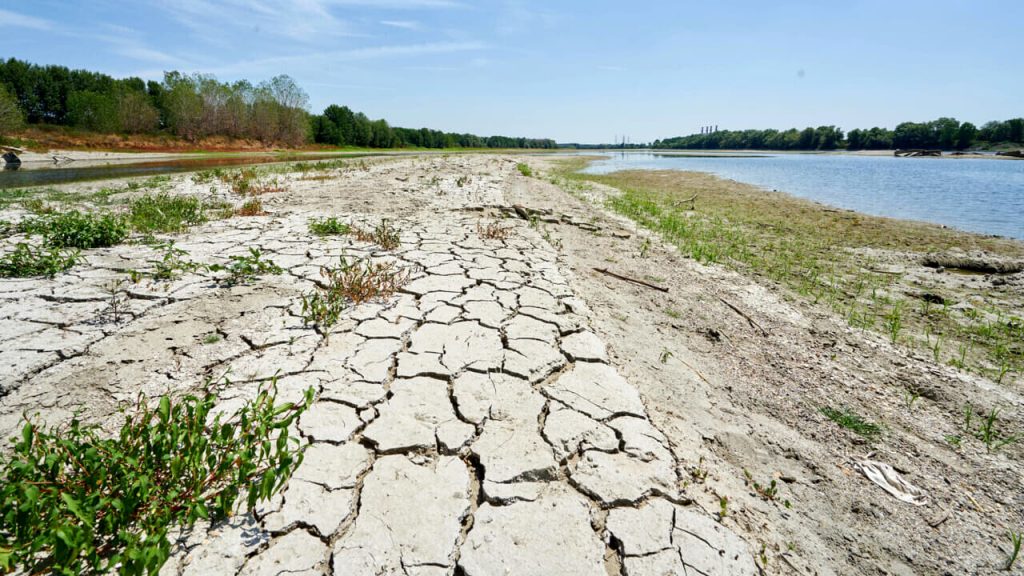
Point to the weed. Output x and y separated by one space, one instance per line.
211 338
173 264
852 421
910 397
462 181
116 304
207 176
349 282
493 231
25 261
988 434
953 440
699 473
894 322
723 507
165 213
329 227
524 169
79 501
1015 542
645 247
74 229
665 355
251 207
673 313
383 235
246 268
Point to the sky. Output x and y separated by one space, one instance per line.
573 70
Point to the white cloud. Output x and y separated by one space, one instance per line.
404 24
8 18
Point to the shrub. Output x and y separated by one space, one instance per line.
524 169
76 229
25 261
166 213
76 501
328 226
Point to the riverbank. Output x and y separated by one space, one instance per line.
635 427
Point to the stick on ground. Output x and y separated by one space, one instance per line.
633 280
744 314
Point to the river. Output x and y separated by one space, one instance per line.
977 195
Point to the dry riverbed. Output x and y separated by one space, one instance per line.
511 410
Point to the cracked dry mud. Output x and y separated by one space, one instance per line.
470 424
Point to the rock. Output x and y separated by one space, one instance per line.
709 547
550 536
585 346
409 420
596 390
410 515
311 504
329 422
333 466
619 479
570 432
296 554
643 530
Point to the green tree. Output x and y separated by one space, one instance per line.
11 118
965 136
93 111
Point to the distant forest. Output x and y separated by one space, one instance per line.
944 134
198 105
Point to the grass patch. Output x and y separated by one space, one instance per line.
251 207
26 261
524 169
165 213
78 501
74 229
329 227
852 421
251 182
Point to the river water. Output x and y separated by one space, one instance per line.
977 195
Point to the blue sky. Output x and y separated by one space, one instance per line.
571 70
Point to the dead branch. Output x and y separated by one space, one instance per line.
633 280
691 200
744 314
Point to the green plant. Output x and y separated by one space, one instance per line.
723 507
665 355
211 338
645 247
493 231
246 268
172 264
953 440
988 433
356 282
165 213
894 322
852 421
524 169
116 305
25 261
74 229
77 500
1015 542
328 227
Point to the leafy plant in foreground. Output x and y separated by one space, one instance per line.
75 501
25 261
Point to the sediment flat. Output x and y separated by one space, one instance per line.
511 410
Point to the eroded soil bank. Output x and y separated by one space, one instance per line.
512 410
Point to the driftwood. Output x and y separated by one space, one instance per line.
744 314
691 200
633 280
1012 153
911 152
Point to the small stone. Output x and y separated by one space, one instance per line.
585 346
297 553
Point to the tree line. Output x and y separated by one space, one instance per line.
944 134
194 106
